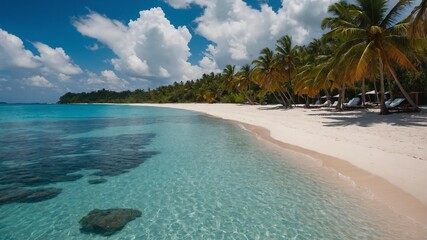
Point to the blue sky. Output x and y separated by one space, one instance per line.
50 47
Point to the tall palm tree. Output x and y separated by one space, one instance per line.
305 81
343 15
418 27
267 76
229 77
287 56
244 83
371 37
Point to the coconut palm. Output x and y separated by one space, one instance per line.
267 76
244 83
343 15
286 57
371 37
229 77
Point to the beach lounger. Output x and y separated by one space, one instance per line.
401 105
388 102
395 103
354 102
327 103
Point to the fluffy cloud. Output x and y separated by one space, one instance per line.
16 60
148 47
56 60
28 76
107 79
186 3
13 53
38 81
239 32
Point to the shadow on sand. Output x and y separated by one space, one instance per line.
364 118
275 107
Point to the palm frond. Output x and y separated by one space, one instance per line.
391 54
394 14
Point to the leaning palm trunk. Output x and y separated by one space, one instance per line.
247 97
282 94
280 100
307 101
383 110
376 92
389 88
328 96
288 97
408 98
341 98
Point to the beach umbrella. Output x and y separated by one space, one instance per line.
371 92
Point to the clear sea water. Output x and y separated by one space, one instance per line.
192 176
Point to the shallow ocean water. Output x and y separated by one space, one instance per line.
191 176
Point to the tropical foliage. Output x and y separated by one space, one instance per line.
365 45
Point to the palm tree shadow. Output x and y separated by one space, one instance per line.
275 107
368 119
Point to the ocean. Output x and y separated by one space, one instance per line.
192 176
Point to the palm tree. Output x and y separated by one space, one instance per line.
267 76
418 27
244 83
286 56
370 37
337 72
287 60
229 77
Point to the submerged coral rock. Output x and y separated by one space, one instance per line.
97 181
41 195
107 222
18 194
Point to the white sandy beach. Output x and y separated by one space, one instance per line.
385 154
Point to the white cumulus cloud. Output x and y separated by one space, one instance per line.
107 79
238 31
13 53
56 60
149 47
38 81
186 3
16 60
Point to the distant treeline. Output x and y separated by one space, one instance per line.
211 88
214 88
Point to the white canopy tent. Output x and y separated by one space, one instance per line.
372 93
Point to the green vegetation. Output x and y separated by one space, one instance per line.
365 47
211 88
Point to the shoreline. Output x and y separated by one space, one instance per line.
399 197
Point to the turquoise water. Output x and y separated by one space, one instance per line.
191 176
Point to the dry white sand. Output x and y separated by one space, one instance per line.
385 154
